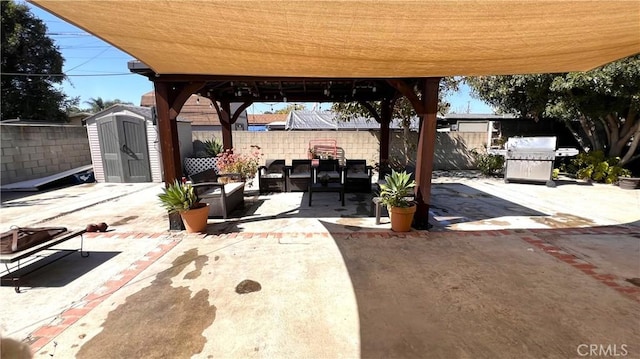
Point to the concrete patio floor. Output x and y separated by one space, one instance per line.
509 270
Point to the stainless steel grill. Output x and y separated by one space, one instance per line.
531 158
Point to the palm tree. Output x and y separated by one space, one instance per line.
98 104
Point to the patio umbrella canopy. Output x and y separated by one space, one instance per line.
375 39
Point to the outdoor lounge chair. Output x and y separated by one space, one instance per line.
20 243
299 175
357 176
222 198
272 176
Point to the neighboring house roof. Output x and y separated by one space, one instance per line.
197 110
267 118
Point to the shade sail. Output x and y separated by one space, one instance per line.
362 38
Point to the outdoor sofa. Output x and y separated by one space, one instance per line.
223 198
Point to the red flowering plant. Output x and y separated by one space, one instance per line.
244 164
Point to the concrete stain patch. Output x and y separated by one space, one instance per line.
248 286
124 220
564 220
159 321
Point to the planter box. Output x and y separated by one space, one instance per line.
629 182
193 165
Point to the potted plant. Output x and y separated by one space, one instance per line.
246 165
181 198
397 194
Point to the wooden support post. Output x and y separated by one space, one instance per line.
385 121
426 150
169 100
169 144
224 114
168 134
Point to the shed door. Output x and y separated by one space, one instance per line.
135 153
110 149
123 143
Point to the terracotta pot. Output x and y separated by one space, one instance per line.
195 220
401 218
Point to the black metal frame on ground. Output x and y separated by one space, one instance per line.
17 256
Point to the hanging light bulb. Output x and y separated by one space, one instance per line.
374 88
284 99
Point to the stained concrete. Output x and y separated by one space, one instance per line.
159 321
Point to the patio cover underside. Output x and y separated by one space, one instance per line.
384 39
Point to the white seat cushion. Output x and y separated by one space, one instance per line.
229 188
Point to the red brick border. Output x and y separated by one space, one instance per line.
47 333
610 280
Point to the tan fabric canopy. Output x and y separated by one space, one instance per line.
362 38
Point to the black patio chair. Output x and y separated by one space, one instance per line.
328 169
272 176
299 175
357 176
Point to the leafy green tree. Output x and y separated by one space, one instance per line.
98 104
402 110
289 108
31 66
600 106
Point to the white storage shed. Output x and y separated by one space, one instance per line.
125 147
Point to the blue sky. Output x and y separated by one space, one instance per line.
97 69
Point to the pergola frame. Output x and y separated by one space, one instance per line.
172 91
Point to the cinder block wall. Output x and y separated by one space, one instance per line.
453 149
35 151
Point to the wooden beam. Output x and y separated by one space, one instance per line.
181 94
198 78
426 150
407 91
372 110
239 110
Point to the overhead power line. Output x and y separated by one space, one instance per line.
63 75
68 34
